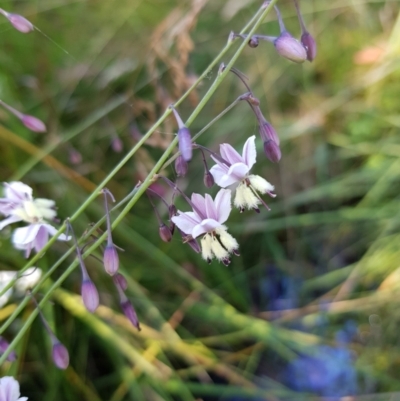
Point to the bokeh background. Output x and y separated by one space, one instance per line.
310 310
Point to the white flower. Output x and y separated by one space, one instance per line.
28 280
207 218
233 169
19 205
9 390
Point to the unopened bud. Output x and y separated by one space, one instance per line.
253 42
165 233
181 166
60 355
74 156
272 151
289 47
90 296
130 313
185 143
310 45
120 281
111 259
20 23
33 123
172 210
208 179
268 133
12 356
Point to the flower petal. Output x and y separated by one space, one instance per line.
200 203
211 212
25 235
186 221
41 239
17 191
238 171
9 389
9 220
53 231
220 176
205 226
249 152
223 204
229 154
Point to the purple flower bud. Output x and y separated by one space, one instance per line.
267 132
253 42
90 296
185 143
111 259
309 44
272 151
117 145
181 166
33 123
60 355
165 233
12 356
208 179
20 23
289 47
120 281
74 156
130 313
172 210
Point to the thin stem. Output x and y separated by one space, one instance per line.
106 193
280 20
301 20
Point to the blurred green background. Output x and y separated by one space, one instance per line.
309 309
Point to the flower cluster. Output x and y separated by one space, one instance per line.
18 205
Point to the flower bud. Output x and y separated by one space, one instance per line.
120 281
165 233
90 296
12 356
111 259
185 143
117 145
272 151
60 355
33 123
267 132
74 156
20 23
289 47
130 313
181 166
208 179
310 45
253 42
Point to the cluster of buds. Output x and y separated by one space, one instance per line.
285 44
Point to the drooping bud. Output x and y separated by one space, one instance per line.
30 122
181 166
33 123
208 179
267 132
74 156
272 151
117 145
289 47
310 45
12 356
307 39
90 295
60 355
111 259
19 22
130 313
253 42
126 306
184 138
165 233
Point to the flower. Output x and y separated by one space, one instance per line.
233 168
19 205
207 219
9 390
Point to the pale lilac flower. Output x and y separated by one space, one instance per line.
19 205
9 390
207 220
233 169
35 236
19 22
